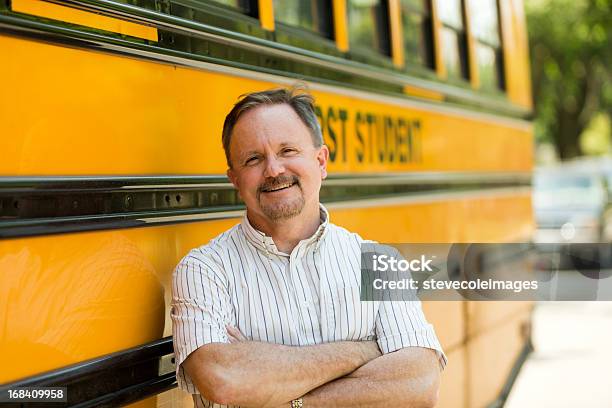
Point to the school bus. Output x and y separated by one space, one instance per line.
111 166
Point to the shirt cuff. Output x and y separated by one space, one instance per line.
425 338
182 349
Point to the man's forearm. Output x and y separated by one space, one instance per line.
257 374
406 378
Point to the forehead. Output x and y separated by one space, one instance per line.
269 124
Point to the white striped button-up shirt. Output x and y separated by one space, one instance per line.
310 296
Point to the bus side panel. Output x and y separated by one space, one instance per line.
72 297
451 333
454 381
446 220
491 358
80 108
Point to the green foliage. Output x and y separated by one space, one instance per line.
571 60
595 140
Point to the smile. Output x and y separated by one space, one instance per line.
280 187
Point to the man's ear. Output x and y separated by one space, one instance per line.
232 176
322 158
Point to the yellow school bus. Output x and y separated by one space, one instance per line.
112 168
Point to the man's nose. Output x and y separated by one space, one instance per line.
274 167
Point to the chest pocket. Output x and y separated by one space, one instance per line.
348 318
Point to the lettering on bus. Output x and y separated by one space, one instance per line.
366 137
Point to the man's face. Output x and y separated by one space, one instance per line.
275 165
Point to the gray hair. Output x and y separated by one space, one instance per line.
296 97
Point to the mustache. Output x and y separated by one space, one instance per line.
272 183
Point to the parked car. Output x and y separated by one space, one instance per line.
572 207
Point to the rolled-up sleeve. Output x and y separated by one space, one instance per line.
200 309
400 321
401 324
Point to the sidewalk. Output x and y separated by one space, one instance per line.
572 362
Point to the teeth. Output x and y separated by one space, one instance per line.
281 187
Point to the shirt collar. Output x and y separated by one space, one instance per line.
265 243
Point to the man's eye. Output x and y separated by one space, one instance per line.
288 150
251 160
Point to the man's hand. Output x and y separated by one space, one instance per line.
255 374
234 335
408 377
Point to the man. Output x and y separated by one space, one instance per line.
268 313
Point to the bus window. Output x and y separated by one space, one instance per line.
312 15
368 22
484 19
454 38
418 33
246 6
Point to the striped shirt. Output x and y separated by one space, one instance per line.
310 296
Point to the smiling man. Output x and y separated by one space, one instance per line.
268 314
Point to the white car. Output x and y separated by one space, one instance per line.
571 206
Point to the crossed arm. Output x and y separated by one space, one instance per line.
340 374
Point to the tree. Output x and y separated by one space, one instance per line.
571 60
